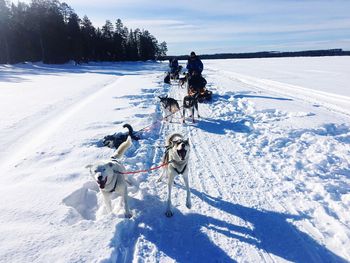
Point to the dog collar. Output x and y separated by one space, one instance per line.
115 184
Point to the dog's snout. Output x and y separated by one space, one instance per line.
100 178
182 145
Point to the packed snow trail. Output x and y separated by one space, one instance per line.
269 172
233 215
29 134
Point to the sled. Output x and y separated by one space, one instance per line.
204 95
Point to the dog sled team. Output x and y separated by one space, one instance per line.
192 79
110 175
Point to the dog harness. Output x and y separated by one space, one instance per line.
115 184
113 159
180 172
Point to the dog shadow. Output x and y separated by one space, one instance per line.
272 232
181 237
218 126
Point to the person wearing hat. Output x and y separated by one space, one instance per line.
194 63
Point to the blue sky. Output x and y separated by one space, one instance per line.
221 26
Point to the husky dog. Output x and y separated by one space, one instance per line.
177 156
174 74
170 107
190 103
113 141
109 178
183 79
167 78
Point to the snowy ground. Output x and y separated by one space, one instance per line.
270 173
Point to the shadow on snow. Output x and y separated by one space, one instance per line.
183 237
218 126
272 232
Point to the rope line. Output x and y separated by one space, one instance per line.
149 126
146 170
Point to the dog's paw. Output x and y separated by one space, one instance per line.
169 213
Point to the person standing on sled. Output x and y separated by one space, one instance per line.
174 65
196 84
194 63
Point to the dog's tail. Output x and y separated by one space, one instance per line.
132 134
128 126
122 148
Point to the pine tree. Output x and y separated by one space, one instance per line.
88 34
162 49
52 32
74 38
5 30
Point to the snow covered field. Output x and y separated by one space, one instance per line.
270 163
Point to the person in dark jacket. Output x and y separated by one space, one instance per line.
194 63
196 83
174 65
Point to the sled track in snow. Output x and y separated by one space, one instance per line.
330 101
36 130
224 173
234 195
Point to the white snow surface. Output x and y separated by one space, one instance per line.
269 167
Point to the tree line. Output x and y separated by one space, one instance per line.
269 54
50 31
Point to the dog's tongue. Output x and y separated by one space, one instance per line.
182 153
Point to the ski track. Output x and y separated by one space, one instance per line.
35 130
330 101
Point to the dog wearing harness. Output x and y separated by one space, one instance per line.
110 178
170 107
177 157
190 103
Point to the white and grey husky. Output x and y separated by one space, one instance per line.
109 178
177 157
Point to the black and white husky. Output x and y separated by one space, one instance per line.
170 107
177 157
115 140
190 103
108 176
